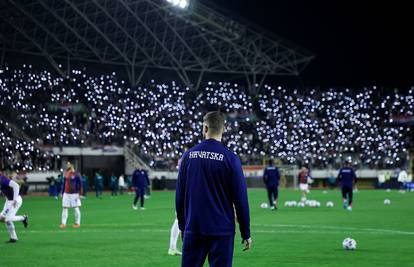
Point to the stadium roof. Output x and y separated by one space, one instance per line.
145 34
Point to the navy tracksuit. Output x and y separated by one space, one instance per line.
139 183
346 178
210 187
271 179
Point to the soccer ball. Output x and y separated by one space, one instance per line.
387 202
329 204
388 190
313 203
264 205
301 204
288 204
349 244
293 203
317 204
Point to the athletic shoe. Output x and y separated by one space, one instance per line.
346 204
272 207
174 252
62 226
76 225
25 221
11 241
134 207
142 208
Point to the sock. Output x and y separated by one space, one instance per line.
175 232
77 215
12 231
17 218
64 216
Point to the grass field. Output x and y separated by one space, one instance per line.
112 234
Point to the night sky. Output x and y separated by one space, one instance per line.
356 43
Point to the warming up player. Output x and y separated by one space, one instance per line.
347 178
210 186
10 189
271 179
139 183
72 189
303 182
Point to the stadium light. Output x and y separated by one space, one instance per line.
183 4
179 3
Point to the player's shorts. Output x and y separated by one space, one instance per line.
9 210
304 187
71 200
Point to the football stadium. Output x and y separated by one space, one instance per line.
206 133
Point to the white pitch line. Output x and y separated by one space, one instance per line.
340 228
310 229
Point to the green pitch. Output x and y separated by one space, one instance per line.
112 234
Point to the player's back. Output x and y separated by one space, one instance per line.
346 176
271 174
207 171
138 178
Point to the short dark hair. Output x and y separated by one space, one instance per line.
270 162
214 121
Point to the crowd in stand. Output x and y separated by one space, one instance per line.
20 154
161 120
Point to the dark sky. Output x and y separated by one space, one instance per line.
356 43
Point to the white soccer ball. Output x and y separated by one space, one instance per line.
317 204
308 202
312 203
329 204
349 244
387 202
264 205
293 203
288 204
388 190
301 204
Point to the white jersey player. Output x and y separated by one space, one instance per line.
10 189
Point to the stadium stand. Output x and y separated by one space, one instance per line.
319 128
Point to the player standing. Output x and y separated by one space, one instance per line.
10 189
139 183
210 182
303 182
98 184
85 185
271 179
113 185
72 189
347 178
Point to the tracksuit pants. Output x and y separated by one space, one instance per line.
218 249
